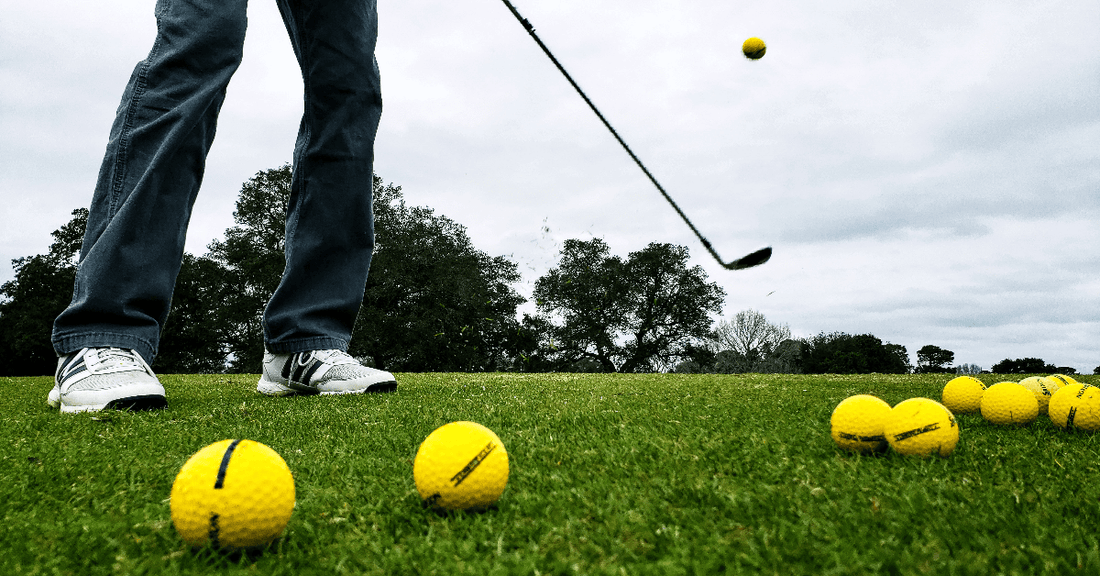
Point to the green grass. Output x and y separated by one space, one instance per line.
610 474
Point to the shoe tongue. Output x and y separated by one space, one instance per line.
118 356
335 357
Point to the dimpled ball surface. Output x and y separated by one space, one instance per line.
1008 404
857 423
1063 379
963 395
1042 388
461 466
1087 414
1066 403
232 494
921 427
754 48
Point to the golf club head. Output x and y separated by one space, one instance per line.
755 259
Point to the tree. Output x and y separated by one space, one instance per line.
252 259
751 335
584 294
193 339
433 301
1096 370
933 359
29 303
968 369
840 353
1022 366
640 314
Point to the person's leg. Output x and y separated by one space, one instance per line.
150 177
330 224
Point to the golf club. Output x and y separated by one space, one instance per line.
748 261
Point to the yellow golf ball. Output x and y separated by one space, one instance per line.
754 48
1009 403
232 494
461 466
1054 383
921 427
857 423
963 395
1063 379
1086 415
1072 407
1042 388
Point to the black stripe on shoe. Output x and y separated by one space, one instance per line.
71 367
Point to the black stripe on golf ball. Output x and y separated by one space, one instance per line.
462 474
225 464
916 432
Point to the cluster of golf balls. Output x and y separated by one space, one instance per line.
923 427
917 426
237 494
1069 404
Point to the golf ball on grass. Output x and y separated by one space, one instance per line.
1042 388
461 466
857 423
963 395
232 494
1009 403
1076 406
1063 379
921 427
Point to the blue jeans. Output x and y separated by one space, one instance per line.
154 165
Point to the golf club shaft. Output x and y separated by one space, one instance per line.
754 259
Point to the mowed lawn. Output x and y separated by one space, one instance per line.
610 474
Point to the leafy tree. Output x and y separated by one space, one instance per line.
433 301
640 314
193 339
1096 370
933 359
1022 366
251 259
840 353
532 345
42 289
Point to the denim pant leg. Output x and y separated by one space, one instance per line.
330 224
150 177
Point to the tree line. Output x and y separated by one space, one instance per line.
433 302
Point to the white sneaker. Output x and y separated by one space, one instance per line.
320 372
97 378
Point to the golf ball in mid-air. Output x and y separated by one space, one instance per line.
754 48
921 427
857 423
232 494
461 466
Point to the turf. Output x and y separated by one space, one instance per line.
610 474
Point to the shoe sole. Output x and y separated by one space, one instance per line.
270 388
130 404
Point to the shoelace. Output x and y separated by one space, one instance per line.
121 358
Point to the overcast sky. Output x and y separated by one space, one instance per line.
927 172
